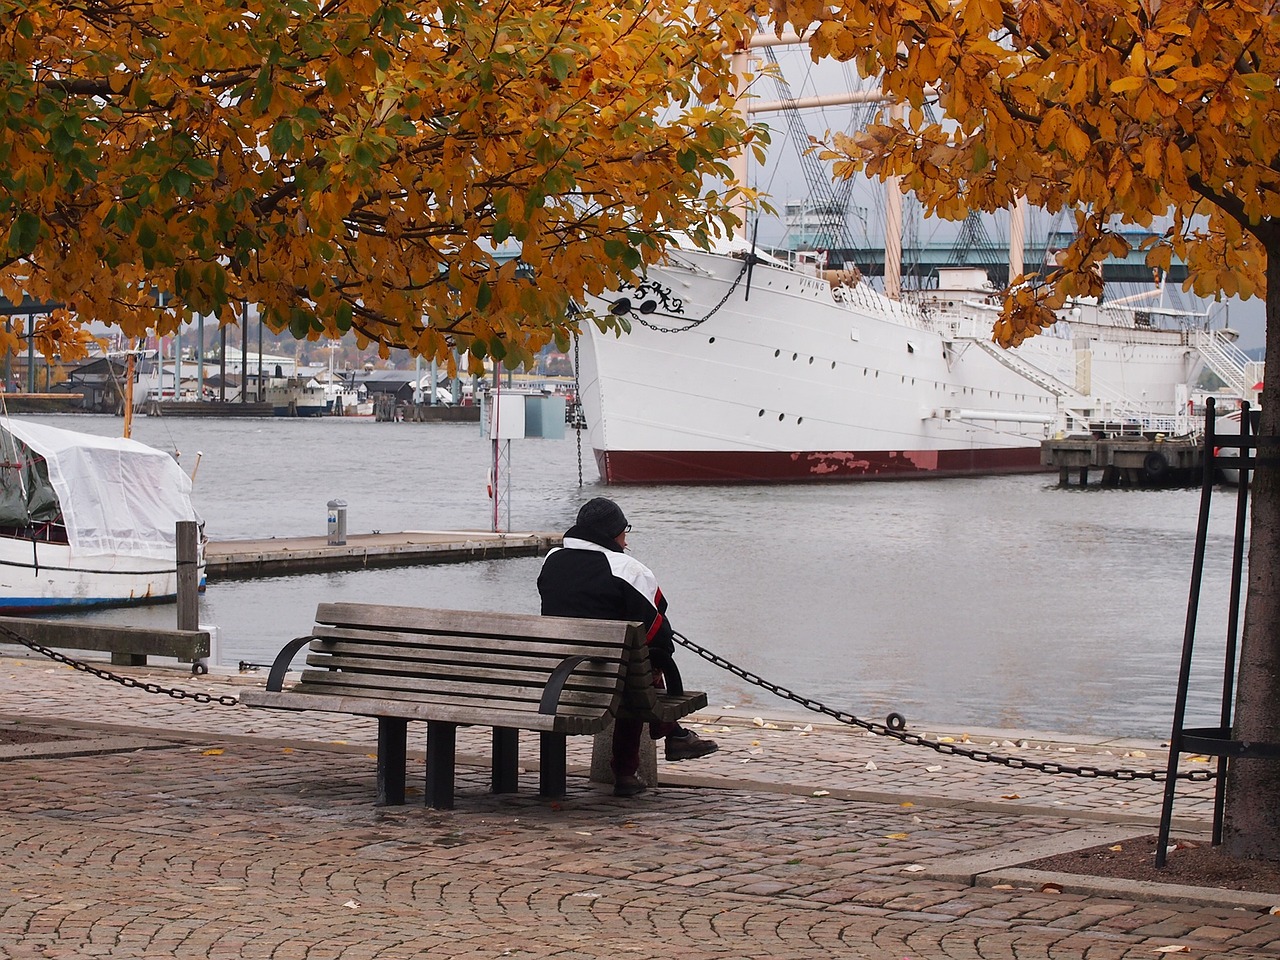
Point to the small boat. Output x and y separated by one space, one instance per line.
87 521
296 397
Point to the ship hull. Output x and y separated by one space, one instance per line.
793 382
748 466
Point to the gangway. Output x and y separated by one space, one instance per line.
1231 364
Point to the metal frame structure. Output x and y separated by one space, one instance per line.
1217 741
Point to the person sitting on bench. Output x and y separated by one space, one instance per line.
591 576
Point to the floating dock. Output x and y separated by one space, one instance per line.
242 559
1126 461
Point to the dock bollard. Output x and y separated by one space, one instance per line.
337 523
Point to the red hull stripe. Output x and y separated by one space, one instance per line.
680 466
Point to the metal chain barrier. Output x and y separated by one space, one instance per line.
746 265
880 729
895 730
146 687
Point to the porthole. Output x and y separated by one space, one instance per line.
833 364
760 414
777 353
711 340
795 356
781 417
811 360
799 420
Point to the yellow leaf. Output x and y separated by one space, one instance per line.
213 752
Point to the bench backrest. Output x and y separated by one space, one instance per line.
490 665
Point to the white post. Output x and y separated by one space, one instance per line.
738 165
893 226
1017 237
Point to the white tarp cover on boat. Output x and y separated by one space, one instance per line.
118 496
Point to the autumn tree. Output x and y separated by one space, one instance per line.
354 165
1125 112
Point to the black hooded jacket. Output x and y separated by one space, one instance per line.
591 577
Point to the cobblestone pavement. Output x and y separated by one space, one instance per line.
155 827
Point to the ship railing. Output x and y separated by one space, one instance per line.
863 296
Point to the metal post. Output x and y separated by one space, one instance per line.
1188 640
200 356
188 576
244 351
222 362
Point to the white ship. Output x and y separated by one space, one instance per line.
798 379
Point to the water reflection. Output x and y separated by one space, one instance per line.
992 602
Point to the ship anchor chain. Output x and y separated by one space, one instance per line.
895 727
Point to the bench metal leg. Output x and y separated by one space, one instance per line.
391 754
506 760
553 771
442 741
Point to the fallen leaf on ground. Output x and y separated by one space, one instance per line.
913 868
1117 848
822 793
1010 796
352 904
897 836
758 721
213 752
1174 948
1050 888
933 769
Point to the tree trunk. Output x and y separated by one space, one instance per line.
1251 827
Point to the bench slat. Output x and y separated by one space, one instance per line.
481 706
498 674
520 625
557 648
425 688
428 659
363 707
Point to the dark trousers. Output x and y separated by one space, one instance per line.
628 733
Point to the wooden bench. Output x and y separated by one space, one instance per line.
558 677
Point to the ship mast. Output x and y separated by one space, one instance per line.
128 390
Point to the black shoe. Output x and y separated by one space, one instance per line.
689 747
628 787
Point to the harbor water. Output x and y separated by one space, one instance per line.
994 602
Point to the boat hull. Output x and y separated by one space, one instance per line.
721 466
37 577
793 383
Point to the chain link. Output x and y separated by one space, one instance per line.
952 749
124 681
746 265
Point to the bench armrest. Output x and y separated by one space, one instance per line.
275 679
555 683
